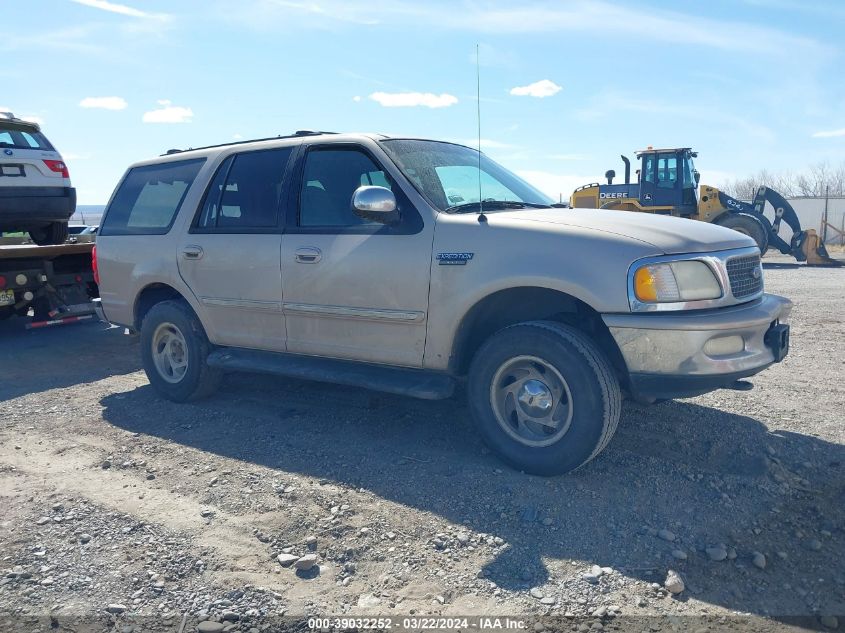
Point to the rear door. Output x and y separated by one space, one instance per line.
230 256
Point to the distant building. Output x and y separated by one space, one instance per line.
810 212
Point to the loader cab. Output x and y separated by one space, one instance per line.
668 178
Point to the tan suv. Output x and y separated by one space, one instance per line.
410 265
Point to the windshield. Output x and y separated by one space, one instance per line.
447 175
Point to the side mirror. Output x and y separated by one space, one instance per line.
697 177
377 204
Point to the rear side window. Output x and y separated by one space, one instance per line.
148 199
245 193
16 137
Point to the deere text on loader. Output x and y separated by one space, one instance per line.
667 183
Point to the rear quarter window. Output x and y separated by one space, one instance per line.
149 198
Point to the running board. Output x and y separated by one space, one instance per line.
417 383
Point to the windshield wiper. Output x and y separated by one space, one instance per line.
492 205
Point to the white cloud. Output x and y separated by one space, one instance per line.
168 114
237 137
104 103
539 89
356 98
413 99
602 18
609 103
121 9
829 133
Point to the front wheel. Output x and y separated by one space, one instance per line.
544 397
174 349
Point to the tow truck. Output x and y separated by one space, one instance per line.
52 285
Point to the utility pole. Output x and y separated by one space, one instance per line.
824 217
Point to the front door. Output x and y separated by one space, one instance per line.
353 288
660 180
230 257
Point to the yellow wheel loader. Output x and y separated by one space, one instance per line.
667 183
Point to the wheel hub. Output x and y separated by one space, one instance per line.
531 401
535 398
170 353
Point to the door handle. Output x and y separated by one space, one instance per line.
308 255
192 252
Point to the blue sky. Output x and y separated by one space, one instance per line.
567 85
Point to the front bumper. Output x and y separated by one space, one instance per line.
684 354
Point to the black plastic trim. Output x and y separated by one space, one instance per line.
685 386
417 383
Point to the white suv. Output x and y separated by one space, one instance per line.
35 191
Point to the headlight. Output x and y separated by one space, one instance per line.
673 282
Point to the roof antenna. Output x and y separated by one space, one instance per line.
481 216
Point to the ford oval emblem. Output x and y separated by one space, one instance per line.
8 152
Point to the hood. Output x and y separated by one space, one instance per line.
669 234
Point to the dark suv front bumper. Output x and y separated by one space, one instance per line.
22 208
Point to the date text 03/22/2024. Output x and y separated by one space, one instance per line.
419 623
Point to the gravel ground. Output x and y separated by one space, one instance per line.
279 498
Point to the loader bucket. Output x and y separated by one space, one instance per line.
808 247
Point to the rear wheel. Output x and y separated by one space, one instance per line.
174 349
55 233
747 225
544 397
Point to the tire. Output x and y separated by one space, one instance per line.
55 233
171 330
581 392
747 225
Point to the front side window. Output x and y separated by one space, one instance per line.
331 177
245 192
148 199
448 175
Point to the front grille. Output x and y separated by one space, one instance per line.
746 275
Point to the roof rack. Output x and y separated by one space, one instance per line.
296 134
